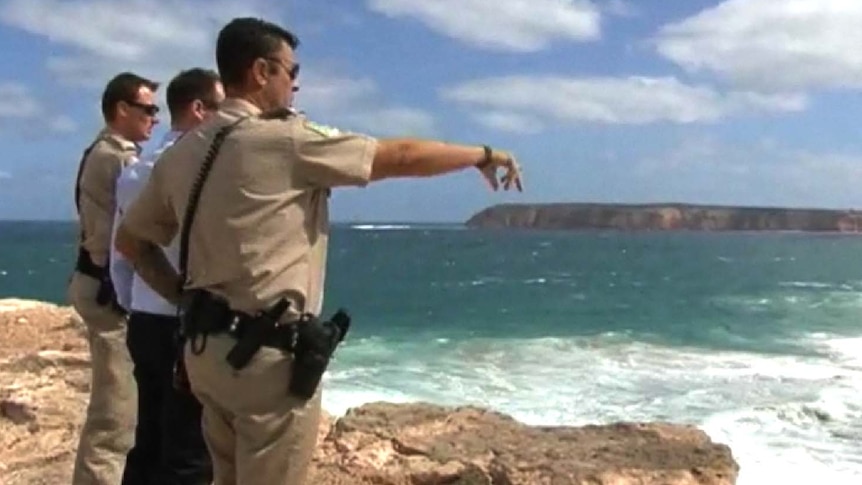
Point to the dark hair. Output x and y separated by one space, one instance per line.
123 87
190 85
244 40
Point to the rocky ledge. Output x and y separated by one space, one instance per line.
43 391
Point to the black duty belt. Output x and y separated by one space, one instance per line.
212 316
311 340
282 336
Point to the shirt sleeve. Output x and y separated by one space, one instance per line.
327 157
121 270
98 188
149 216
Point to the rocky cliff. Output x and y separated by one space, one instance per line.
43 391
665 217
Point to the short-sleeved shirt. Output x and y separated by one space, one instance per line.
261 227
133 293
108 156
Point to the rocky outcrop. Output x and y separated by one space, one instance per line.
665 217
426 444
44 385
44 381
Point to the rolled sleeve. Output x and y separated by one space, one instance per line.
326 157
150 216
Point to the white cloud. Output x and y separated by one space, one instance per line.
631 100
356 104
771 44
510 121
16 101
710 170
620 8
20 109
62 124
5 175
158 38
505 25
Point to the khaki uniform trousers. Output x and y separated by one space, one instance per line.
108 431
257 433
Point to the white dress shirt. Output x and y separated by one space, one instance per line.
132 293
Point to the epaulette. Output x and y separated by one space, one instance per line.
118 143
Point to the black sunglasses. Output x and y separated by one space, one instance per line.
293 71
148 109
210 104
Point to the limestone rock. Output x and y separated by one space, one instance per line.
44 381
424 444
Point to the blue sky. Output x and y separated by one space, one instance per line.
752 102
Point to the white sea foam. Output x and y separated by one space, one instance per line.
788 419
380 227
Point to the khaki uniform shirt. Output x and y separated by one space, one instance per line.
262 222
110 154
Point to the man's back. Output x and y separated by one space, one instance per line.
99 171
261 228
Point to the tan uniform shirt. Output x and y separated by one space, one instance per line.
262 223
110 154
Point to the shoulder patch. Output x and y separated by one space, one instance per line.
117 143
322 130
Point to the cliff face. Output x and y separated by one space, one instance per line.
665 217
44 381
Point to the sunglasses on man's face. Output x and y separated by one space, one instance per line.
210 105
148 109
292 71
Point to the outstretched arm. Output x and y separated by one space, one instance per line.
421 158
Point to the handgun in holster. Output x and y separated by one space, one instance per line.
255 333
316 343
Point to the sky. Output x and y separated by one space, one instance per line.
739 102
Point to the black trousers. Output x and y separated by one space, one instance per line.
169 447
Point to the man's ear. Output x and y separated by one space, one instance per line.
199 109
121 110
260 71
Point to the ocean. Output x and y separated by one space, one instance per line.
754 337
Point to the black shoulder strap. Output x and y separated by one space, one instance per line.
81 173
194 197
197 187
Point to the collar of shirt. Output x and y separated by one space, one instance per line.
167 140
120 141
240 107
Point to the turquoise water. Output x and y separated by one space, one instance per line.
757 338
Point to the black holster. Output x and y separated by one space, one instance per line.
190 311
312 341
106 295
316 343
193 326
256 332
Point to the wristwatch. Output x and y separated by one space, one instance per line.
486 160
